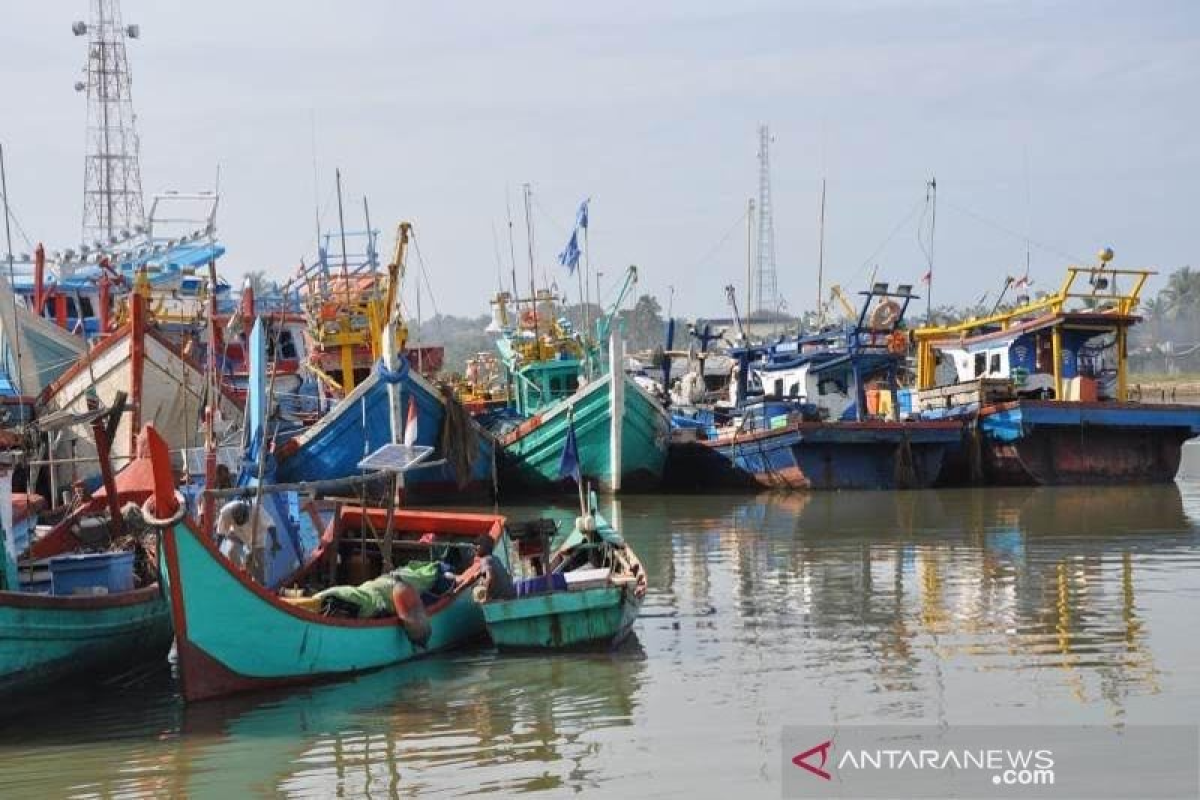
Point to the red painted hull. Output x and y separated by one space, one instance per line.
1075 457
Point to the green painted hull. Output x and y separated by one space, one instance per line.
532 453
562 619
46 640
234 636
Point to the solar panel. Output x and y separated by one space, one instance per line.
396 457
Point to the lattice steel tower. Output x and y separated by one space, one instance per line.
112 183
765 287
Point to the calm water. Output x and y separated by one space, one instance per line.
1042 606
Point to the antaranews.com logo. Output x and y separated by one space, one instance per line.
1007 767
991 761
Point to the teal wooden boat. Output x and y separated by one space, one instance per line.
48 638
590 597
233 635
533 448
553 371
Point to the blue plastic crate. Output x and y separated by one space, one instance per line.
92 573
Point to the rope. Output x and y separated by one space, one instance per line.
460 443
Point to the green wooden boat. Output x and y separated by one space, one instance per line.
591 596
233 635
46 639
553 372
532 450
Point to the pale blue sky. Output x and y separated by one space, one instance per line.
432 110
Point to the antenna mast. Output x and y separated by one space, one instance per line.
765 285
112 183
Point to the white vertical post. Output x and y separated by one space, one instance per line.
616 396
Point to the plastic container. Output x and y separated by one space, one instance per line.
540 584
582 579
904 402
92 573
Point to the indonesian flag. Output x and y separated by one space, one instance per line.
927 277
410 424
1022 282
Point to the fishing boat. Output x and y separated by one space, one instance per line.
67 615
555 374
164 385
818 412
1043 388
234 633
588 595
349 333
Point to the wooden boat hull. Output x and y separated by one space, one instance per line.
533 451
818 456
602 616
165 388
1060 443
360 424
234 636
46 639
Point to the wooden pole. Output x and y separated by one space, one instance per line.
616 395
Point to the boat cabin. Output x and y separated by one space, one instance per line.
1071 345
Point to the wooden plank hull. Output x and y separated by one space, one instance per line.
818 456
165 388
1059 443
360 424
559 620
234 636
45 639
532 452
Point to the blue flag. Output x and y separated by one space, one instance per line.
568 465
581 218
569 257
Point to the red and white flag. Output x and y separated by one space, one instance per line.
410 424
1022 282
927 277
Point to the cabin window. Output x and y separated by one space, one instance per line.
994 366
72 311
555 385
86 304
287 345
778 390
980 364
572 383
794 391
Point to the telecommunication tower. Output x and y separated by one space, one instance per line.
765 300
112 183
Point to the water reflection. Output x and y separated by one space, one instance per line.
963 606
889 590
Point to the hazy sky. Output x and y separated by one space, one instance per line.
1075 122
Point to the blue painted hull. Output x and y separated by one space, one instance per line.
818 456
360 424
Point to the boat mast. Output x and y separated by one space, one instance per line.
529 241
931 195
16 334
821 263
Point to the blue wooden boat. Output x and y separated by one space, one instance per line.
818 412
1043 390
590 596
359 425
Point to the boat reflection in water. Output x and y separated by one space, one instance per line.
900 590
1014 606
